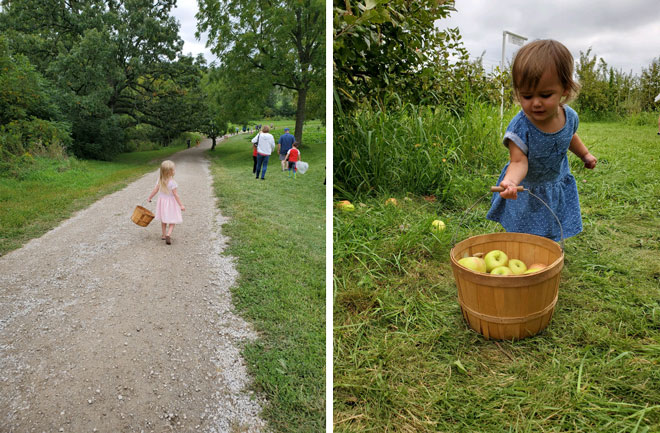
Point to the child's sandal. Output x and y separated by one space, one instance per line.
167 240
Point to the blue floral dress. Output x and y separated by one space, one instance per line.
548 176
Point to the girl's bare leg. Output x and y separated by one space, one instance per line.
169 230
163 227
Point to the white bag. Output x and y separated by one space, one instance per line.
302 167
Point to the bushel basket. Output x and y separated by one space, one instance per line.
509 307
142 216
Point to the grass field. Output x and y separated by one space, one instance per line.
277 232
51 190
405 361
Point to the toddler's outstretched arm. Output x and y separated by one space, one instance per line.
515 173
581 151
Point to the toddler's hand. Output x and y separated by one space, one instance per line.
589 161
510 190
183 207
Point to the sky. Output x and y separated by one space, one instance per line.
626 34
185 14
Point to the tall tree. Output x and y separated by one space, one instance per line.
283 41
114 63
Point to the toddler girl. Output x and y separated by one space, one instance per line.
168 207
538 138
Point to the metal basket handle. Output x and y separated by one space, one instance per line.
520 188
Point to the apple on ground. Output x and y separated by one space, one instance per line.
501 270
391 201
346 206
517 266
474 263
535 268
494 259
437 226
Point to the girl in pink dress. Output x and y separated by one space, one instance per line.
168 207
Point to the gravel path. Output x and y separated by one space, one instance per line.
104 327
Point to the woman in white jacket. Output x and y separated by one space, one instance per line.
265 144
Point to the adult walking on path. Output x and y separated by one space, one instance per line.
284 144
105 328
265 144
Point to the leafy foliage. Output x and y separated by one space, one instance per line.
384 45
113 65
30 123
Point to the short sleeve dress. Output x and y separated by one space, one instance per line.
167 209
548 176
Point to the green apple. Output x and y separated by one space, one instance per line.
517 266
501 270
494 259
346 206
535 268
474 263
437 226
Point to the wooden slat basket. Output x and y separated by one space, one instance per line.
142 216
510 307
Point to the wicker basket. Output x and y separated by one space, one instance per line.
142 216
508 307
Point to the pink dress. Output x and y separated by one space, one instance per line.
167 209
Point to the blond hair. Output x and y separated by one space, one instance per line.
166 173
537 57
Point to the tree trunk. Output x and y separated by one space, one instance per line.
300 113
213 147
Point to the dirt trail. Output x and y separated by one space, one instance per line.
104 327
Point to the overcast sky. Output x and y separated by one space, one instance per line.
626 34
185 14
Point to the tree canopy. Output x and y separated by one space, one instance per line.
278 43
112 64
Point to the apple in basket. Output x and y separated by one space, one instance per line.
501 270
535 268
517 266
494 259
474 263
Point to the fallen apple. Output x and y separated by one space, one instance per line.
437 226
346 206
517 266
501 270
536 267
474 263
391 201
494 259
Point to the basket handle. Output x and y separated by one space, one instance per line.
501 188
518 188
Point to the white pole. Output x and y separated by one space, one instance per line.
517 40
502 75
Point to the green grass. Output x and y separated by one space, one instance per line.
277 231
405 360
50 190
